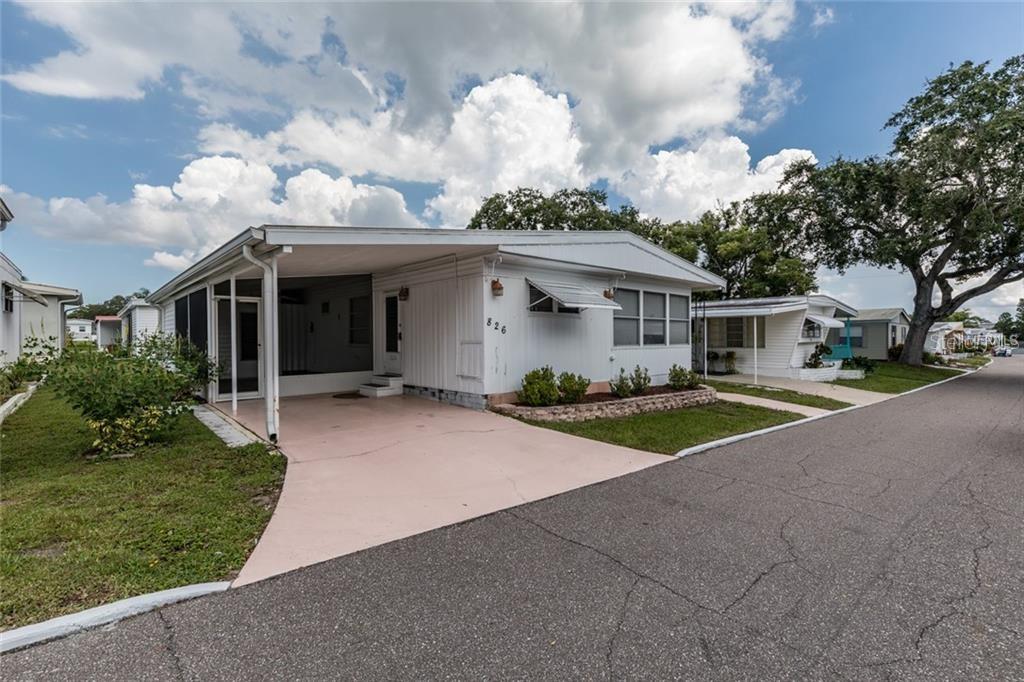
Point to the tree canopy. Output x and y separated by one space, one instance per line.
946 204
111 306
967 317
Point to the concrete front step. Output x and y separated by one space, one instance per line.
390 380
378 391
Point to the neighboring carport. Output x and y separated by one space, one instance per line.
363 472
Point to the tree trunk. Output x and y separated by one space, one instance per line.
921 321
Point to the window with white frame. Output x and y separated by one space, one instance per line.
542 303
654 319
811 330
678 319
8 298
626 321
856 336
734 332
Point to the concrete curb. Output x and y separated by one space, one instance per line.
16 401
798 422
22 637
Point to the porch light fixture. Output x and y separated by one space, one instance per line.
497 288
609 294
403 294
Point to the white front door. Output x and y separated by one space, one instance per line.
392 335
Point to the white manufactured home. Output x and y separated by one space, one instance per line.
139 318
774 336
454 315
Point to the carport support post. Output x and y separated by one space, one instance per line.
755 350
269 306
234 350
704 342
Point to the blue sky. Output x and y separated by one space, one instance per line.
94 104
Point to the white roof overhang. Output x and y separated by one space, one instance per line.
27 292
830 322
574 295
749 310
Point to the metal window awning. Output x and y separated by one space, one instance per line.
27 293
830 322
574 295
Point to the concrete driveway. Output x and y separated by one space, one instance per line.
882 543
362 472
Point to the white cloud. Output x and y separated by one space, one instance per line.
214 199
682 184
823 16
637 74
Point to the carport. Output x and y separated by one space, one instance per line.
362 472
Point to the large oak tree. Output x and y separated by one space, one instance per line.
946 204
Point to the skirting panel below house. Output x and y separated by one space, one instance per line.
473 401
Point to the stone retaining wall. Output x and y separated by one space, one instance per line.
850 374
623 407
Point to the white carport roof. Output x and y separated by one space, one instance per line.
766 307
574 295
333 250
63 294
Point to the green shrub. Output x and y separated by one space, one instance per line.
860 362
895 352
127 400
539 388
682 379
730 362
640 380
621 386
572 387
933 359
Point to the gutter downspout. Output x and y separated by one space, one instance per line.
269 338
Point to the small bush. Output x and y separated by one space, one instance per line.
572 387
730 362
621 386
682 379
933 359
127 400
539 388
815 360
895 352
860 362
639 380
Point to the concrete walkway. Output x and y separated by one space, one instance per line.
805 410
854 396
363 472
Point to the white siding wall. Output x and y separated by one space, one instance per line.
517 340
146 321
10 323
41 321
780 331
441 323
167 317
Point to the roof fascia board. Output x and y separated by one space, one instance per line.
752 311
228 252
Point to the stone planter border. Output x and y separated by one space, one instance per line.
622 407
819 374
16 401
851 374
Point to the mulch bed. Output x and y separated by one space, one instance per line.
606 396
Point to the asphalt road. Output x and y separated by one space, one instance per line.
887 542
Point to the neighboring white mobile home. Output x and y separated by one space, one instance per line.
44 316
944 338
139 318
457 315
108 331
81 330
773 336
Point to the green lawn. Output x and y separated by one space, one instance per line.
76 533
973 362
670 432
781 394
892 377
